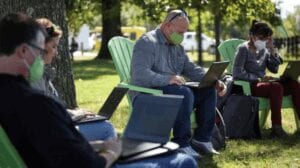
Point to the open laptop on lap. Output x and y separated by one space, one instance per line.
148 130
292 71
106 111
214 73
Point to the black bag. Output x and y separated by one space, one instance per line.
219 133
228 81
240 115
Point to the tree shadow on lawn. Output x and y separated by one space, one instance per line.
91 69
245 152
207 161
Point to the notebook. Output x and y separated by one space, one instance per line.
214 73
148 130
106 111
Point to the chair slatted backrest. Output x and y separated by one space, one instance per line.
121 51
9 157
227 50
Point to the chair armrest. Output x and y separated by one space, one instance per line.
245 86
141 89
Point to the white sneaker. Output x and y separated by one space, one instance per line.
190 151
206 147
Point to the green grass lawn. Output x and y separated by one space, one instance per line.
94 79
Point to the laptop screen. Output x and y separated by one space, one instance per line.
112 102
292 70
213 74
153 117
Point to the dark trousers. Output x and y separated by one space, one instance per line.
204 100
275 92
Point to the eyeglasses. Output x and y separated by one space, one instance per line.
42 51
182 13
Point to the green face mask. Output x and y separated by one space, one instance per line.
176 38
36 70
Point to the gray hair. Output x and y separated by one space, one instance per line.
175 14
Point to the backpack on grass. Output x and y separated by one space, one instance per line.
240 114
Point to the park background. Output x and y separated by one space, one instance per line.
87 80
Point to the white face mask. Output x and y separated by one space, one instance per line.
260 45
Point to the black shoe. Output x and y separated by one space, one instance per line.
278 132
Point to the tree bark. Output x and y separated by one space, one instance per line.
199 36
111 19
217 21
55 11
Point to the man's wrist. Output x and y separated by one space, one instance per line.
112 153
110 157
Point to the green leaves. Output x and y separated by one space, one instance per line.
81 12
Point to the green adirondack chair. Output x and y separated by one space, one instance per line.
227 50
121 50
9 156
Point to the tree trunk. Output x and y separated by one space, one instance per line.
217 21
111 19
199 36
55 11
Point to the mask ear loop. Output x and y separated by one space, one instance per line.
26 63
32 52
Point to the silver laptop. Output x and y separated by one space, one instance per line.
214 73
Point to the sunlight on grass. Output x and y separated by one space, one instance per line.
94 80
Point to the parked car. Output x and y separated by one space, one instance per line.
190 42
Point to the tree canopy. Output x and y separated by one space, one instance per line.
219 18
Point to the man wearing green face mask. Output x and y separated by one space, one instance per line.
39 127
36 70
159 61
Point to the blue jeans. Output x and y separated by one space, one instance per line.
204 100
205 105
99 130
176 160
105 131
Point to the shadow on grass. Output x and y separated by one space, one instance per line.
91 69
207 161
266 150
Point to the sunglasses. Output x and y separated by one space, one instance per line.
182 13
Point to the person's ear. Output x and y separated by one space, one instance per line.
22 50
